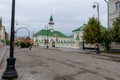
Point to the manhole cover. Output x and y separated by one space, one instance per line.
63 78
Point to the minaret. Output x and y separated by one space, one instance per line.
51 23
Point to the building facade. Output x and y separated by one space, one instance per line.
114 10
77 36
2 33
52 38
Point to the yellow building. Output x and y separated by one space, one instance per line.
2 33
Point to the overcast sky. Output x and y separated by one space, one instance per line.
34 14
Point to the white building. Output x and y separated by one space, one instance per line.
114 10
2 33
77 35
53 38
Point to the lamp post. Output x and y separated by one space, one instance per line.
10 73
107 12
96 4
107 1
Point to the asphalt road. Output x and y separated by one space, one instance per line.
64 64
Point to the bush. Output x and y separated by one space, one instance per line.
24 45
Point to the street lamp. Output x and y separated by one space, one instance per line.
46 26
96 4
107 12
10 73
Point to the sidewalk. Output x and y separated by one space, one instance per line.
86 51
3 50
92 52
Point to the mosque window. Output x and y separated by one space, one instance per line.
36 41
117 4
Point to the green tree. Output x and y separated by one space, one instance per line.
7 38
116 29
106 38
91 31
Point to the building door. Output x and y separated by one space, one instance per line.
53 43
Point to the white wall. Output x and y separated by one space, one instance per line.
112 11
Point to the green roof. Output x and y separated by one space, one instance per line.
80 28
50 33
51 18
103 28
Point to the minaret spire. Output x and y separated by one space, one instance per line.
51 23
51 18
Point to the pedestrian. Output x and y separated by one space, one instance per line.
30 46
97 49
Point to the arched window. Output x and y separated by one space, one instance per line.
117 4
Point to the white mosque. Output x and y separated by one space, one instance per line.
50 37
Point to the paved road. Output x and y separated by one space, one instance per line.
62 64
3 50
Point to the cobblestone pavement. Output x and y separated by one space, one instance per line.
61 64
